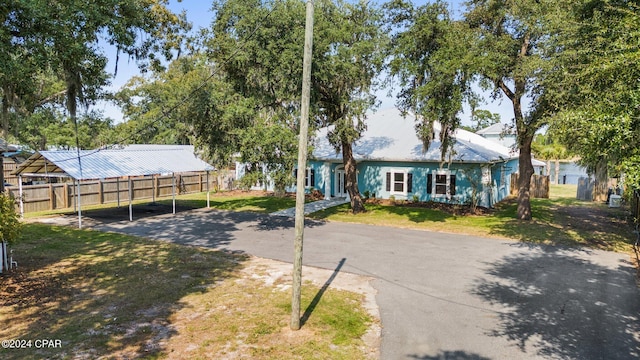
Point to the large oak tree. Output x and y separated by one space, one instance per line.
496 43
259 47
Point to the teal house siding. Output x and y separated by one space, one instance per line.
417 181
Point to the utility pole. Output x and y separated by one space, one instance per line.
302 167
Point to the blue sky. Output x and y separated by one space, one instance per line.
200 15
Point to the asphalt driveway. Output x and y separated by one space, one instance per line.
444 296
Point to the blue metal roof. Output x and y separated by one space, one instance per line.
99 164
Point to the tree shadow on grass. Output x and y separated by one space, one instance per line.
101 294
561 303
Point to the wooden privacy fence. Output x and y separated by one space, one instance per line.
539 187
64 195
635 206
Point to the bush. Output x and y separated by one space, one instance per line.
392 200
366 194
10 225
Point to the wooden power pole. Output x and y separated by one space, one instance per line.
302 166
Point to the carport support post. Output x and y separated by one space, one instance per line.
130 197
173 191
79 207
20 195
208 205
302 164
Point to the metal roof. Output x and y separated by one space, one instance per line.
99 164
392 137
497 129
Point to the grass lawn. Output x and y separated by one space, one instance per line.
561 220
254 201
106 295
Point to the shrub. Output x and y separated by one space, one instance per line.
392 200
9 219
366 194
415 198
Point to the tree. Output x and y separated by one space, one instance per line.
547 147
63 37
496 43
259 46
429 56
593 84
348 61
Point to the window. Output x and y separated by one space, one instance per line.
399 182
444 184
309 177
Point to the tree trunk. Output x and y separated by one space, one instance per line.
524 180
351 181
557 172
5 118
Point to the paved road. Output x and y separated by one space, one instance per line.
445 296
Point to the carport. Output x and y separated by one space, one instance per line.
105 164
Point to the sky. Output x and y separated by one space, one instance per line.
200 15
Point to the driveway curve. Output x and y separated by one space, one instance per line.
447 296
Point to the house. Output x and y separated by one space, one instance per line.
505 135
500 133
391 161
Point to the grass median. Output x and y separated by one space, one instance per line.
105 295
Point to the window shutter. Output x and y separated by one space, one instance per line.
429 183
409 182
452 184
295 173
313 178
388 181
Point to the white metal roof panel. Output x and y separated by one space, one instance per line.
392 137
96 164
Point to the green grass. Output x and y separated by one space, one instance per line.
257 201
555 221
253 203
116 296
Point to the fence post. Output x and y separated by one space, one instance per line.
100 191
51 197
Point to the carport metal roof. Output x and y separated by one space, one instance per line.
101 164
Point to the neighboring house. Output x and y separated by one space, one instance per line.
569 172
500 133
391 161
505 135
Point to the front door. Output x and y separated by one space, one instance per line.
341 189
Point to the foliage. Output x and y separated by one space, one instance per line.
51 52
10 225
548 147
259 48
496 43
430 58
593 83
